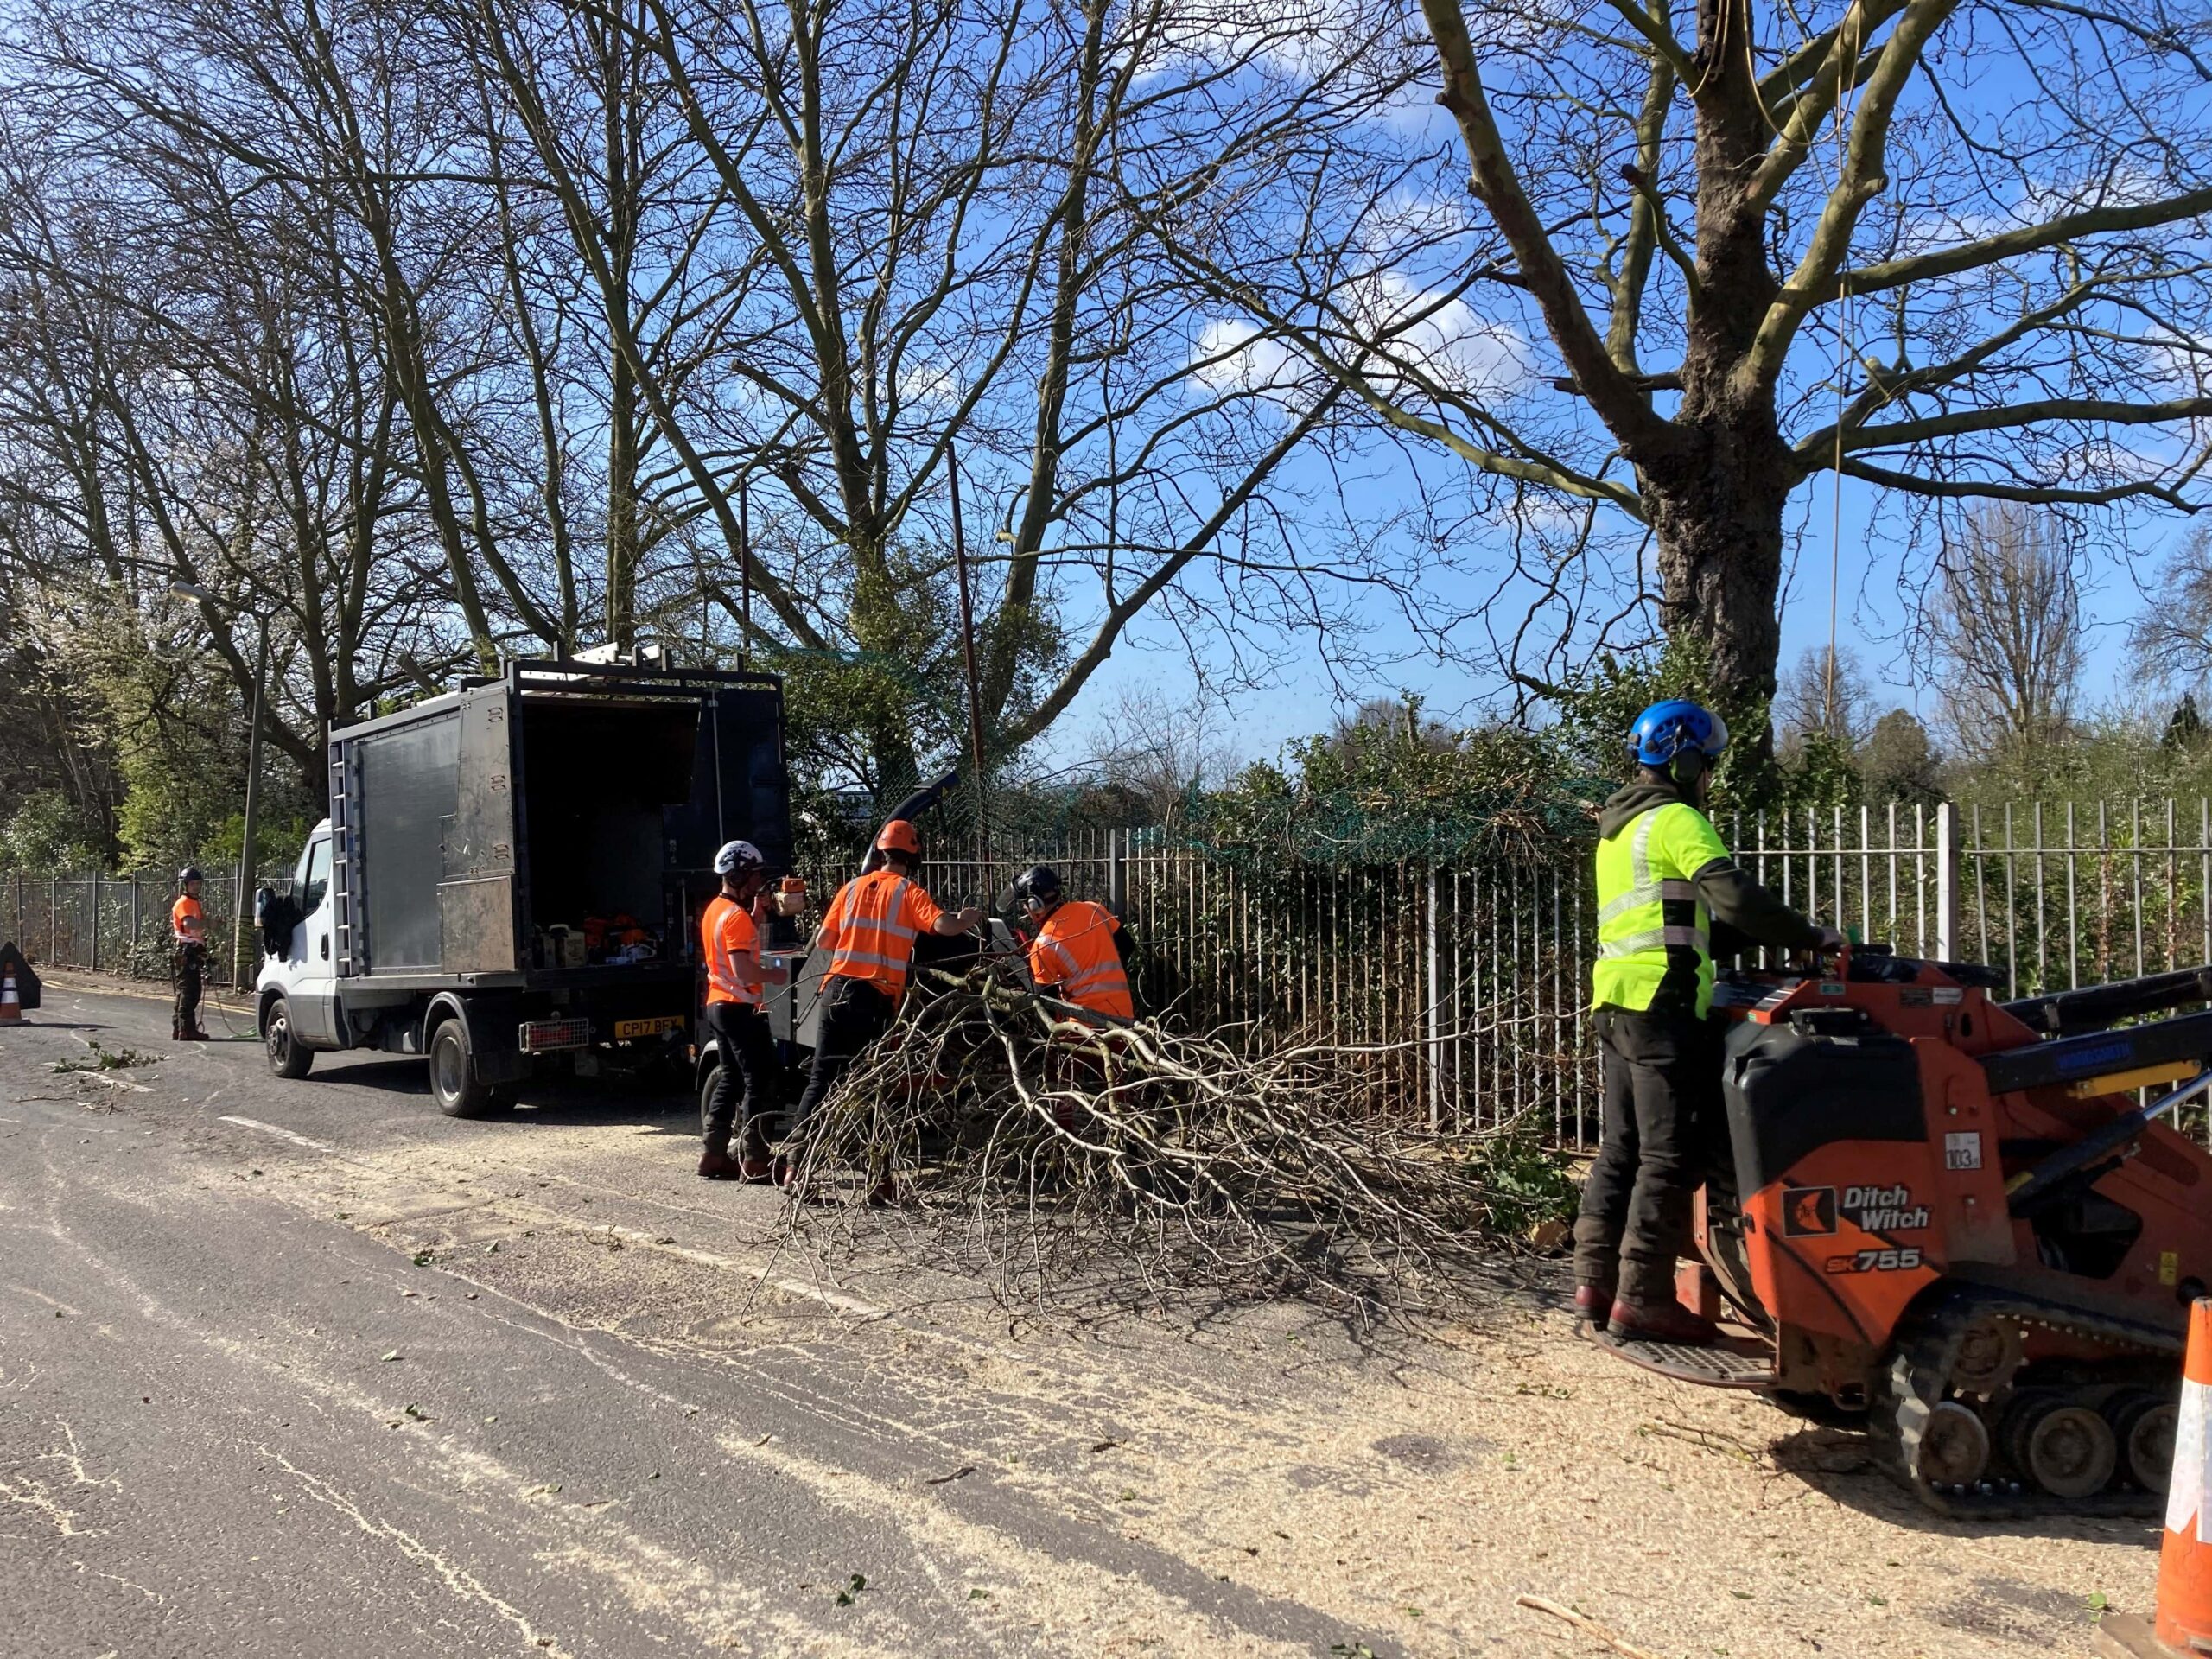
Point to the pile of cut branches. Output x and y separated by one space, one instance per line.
1044 1146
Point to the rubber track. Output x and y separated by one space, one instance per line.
1916 1379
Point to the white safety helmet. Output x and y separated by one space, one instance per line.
739 858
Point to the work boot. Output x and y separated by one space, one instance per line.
1593 1304
756 1163
1658 1321
718 1165
198 1035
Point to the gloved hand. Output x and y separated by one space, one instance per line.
1830 939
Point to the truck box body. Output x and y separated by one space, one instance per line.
467 828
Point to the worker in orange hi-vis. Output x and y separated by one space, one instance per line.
1079 954
729 944
869 931
188 939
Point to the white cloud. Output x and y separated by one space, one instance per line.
2038 203
1295 37
1443 341
2177 364
930 388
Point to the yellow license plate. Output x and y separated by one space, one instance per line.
647 1028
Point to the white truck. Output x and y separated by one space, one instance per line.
511 875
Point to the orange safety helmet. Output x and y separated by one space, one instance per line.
899 837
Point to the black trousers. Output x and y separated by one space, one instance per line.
1662 1114
187 964
748 1070
853 1015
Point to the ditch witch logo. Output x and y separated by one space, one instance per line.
1810 1211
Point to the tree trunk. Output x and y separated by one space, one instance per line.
1718 522
1715 496
616 55
622 507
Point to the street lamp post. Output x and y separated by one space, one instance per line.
240 893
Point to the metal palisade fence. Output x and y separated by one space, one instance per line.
1468 978
117 924
1467 982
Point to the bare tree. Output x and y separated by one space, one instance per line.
2173 640
930 245
199 395
1825 695
1955 251
1159 749
2007 623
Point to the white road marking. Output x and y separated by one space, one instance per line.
282 1135
843 1304
58 1307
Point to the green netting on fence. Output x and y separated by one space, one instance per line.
1534 827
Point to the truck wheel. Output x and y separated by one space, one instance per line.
706 1092
287 1057
454 1083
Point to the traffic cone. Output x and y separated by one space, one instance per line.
11 1000
2183 1625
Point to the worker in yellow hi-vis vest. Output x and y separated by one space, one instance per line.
1664 880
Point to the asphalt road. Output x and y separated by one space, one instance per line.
244 1411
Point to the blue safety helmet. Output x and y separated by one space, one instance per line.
1668 729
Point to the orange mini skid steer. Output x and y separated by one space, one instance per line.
1951 1215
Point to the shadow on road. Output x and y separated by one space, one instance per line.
403 1076
1840 1463
660 1113
581 1103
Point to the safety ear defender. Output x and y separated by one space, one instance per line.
1690 763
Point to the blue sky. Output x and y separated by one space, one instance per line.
1880 576
1873 611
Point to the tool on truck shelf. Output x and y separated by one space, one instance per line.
1968 1233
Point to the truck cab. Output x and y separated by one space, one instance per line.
296 992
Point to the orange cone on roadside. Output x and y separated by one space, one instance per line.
2183 1625
2184 1621
11 1000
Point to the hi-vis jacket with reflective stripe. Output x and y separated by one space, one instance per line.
1074 958
872 925
726 931
1653 927
187 921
